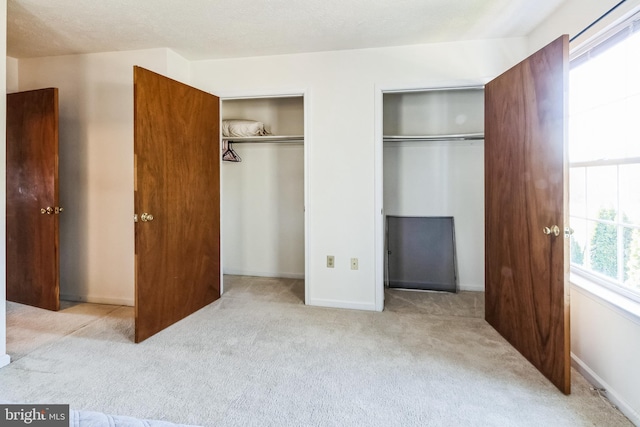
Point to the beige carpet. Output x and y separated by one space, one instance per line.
259 357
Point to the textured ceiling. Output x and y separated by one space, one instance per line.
199 29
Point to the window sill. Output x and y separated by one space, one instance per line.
617 302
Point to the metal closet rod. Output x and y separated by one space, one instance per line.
267 138
435 89
452 137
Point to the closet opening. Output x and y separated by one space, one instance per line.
430 178
263 195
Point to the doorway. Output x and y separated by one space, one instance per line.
263 192
430 164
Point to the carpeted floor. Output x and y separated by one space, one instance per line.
259 357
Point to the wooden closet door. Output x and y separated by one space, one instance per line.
525 192
32 199
177 182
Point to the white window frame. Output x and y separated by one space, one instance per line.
602 286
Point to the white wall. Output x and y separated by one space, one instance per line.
96 165
177 67
341 90
605 344
12 75
4 357
604 340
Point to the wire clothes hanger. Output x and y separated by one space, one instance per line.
228 154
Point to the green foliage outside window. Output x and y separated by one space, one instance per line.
604 245
632 272
577 252
604 250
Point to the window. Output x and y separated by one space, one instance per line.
604 155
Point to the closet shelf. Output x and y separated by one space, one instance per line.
450 137
267 138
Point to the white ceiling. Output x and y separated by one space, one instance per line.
200 29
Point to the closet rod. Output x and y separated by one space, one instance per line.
436 89
268 138
453 137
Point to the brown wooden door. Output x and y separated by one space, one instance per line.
32 185
526 296
177 181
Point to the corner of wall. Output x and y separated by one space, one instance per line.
4 360
575 15
12 75
178 68
611 394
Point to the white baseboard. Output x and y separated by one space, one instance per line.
472 287
4 360
234 272
341 304
98 300
610 393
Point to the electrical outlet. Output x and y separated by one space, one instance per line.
354 263
330 261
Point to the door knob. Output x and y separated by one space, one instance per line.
554 229
146 217
49 210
